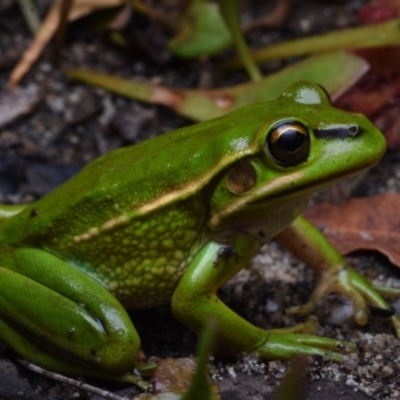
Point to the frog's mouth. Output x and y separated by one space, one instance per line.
295 185
280 190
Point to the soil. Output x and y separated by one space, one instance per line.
72 123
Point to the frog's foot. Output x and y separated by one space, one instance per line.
145 368
133 379
287 345
393 293
351 284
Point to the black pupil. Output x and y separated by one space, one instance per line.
291 140
289 144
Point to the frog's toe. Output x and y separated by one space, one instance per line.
287 345
373 295
145 368
368 293
303 310
325 343
321 288
393 293
359 305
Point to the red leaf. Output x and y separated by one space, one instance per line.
365 223
366 101
382 60
379 11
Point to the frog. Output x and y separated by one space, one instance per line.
172 219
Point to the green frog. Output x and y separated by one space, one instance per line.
169 221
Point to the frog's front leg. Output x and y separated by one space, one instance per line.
56 316
195 301
333 274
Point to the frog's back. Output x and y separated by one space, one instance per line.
134 181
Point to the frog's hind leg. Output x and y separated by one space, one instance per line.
55 315
29 350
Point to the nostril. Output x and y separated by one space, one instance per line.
353 130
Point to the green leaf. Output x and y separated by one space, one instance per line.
200 388
201 105
203 32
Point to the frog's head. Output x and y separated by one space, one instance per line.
302 145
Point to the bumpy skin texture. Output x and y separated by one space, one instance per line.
171 220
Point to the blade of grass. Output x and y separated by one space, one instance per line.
200 388
383 34
30 14
230 12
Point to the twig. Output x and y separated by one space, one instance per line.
73 382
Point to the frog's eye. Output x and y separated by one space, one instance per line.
289 143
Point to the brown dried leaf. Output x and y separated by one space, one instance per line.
368 101
173 375
18 102
172 378
371 223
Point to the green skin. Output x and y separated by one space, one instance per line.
170 221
